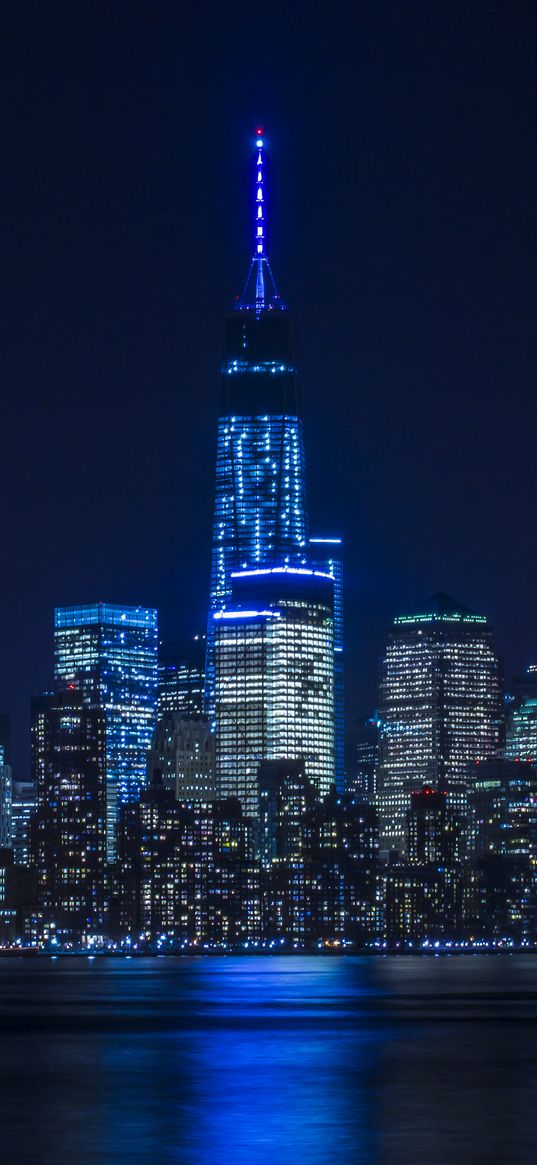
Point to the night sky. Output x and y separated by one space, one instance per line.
402 146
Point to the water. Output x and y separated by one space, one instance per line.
292 1061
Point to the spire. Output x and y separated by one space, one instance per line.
256 292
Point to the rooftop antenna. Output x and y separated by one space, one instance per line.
259 223
260 265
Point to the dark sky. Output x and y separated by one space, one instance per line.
403 161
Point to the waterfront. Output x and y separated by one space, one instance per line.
215 1060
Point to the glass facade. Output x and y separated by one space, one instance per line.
24 809
521 740
260 506
326 555
109 653
181 676
439 706
274 653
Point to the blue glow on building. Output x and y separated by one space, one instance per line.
260 504
109 653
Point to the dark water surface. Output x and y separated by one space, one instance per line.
269 1060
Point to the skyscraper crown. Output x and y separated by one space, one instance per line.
260 292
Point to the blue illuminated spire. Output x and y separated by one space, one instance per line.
260 516
255 289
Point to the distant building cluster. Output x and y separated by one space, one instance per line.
205 795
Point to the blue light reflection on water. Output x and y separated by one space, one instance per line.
264 1060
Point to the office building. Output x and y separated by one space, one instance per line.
6 801
274 679
288 811
110 654
23 820
437 825
326 555
521 734
260 516
183 749
362 758
503 810
439 706
70 838
181 676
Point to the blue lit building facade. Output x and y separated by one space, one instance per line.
109 653
260 513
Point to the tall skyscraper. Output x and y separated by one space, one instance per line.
326 554
260 516
71 816
109 653
275 679
439 706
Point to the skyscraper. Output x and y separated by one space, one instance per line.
439 706
71 804
326 554
23 815
110 654
275 679
6 801
521 734
181 676
260 516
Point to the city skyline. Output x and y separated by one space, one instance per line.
424 357
268 678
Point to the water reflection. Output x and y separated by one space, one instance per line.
268 1060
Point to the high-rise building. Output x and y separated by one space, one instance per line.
287 811
260 516
6 801
274 679
503 811
23 815
436 827
181 676
439 706
183 749
70 839
521 735
524 686
362 762
326 555
110 654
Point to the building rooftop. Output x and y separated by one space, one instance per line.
440 608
